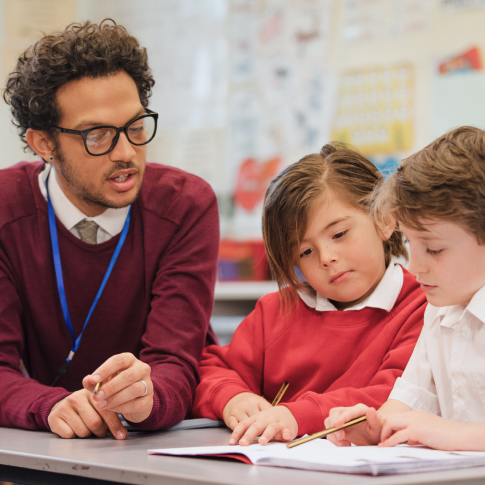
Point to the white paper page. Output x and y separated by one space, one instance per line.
254 452
362 455
321 455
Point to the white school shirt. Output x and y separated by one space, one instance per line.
110 222
446 372
383 297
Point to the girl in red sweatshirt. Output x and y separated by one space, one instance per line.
343 333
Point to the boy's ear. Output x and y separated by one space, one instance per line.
40 143
387 226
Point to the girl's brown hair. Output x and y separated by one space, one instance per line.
291 194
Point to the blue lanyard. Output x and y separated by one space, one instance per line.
60 281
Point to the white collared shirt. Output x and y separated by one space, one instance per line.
446 372
383 297
110 222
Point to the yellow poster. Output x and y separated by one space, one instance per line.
375 109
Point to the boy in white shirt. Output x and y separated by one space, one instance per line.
438 198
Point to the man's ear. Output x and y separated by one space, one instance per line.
40 142
387 226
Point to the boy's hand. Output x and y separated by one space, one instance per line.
419 427
276 422
243 406
366 433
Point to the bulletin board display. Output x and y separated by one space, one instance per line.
375 109
457 88
280 99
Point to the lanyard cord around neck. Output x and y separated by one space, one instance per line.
60 281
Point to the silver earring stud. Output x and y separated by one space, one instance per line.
51 158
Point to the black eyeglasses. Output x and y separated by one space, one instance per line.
102 139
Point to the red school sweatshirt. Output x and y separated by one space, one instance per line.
330 359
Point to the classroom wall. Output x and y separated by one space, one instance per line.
245 87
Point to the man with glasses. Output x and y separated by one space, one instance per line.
107 263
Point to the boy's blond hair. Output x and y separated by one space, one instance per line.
443 182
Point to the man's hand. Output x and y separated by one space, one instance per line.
366 433
243 406
76 415
121 388
423 428
275 422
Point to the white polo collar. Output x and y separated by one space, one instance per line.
450 315
383 297
111 220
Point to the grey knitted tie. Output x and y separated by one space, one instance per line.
88 231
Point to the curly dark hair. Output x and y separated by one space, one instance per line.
82 50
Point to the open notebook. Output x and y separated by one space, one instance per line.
321 455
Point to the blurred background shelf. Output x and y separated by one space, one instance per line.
243 290
233 301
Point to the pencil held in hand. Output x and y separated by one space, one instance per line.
280 394
321 434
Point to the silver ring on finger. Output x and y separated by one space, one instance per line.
146 389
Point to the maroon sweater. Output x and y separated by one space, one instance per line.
156 304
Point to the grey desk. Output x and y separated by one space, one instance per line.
36 457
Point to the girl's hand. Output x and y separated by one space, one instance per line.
420 427
366 433
243 406
275 422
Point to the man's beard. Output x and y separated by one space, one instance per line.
87 192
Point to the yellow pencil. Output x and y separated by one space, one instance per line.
320 434
279 396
